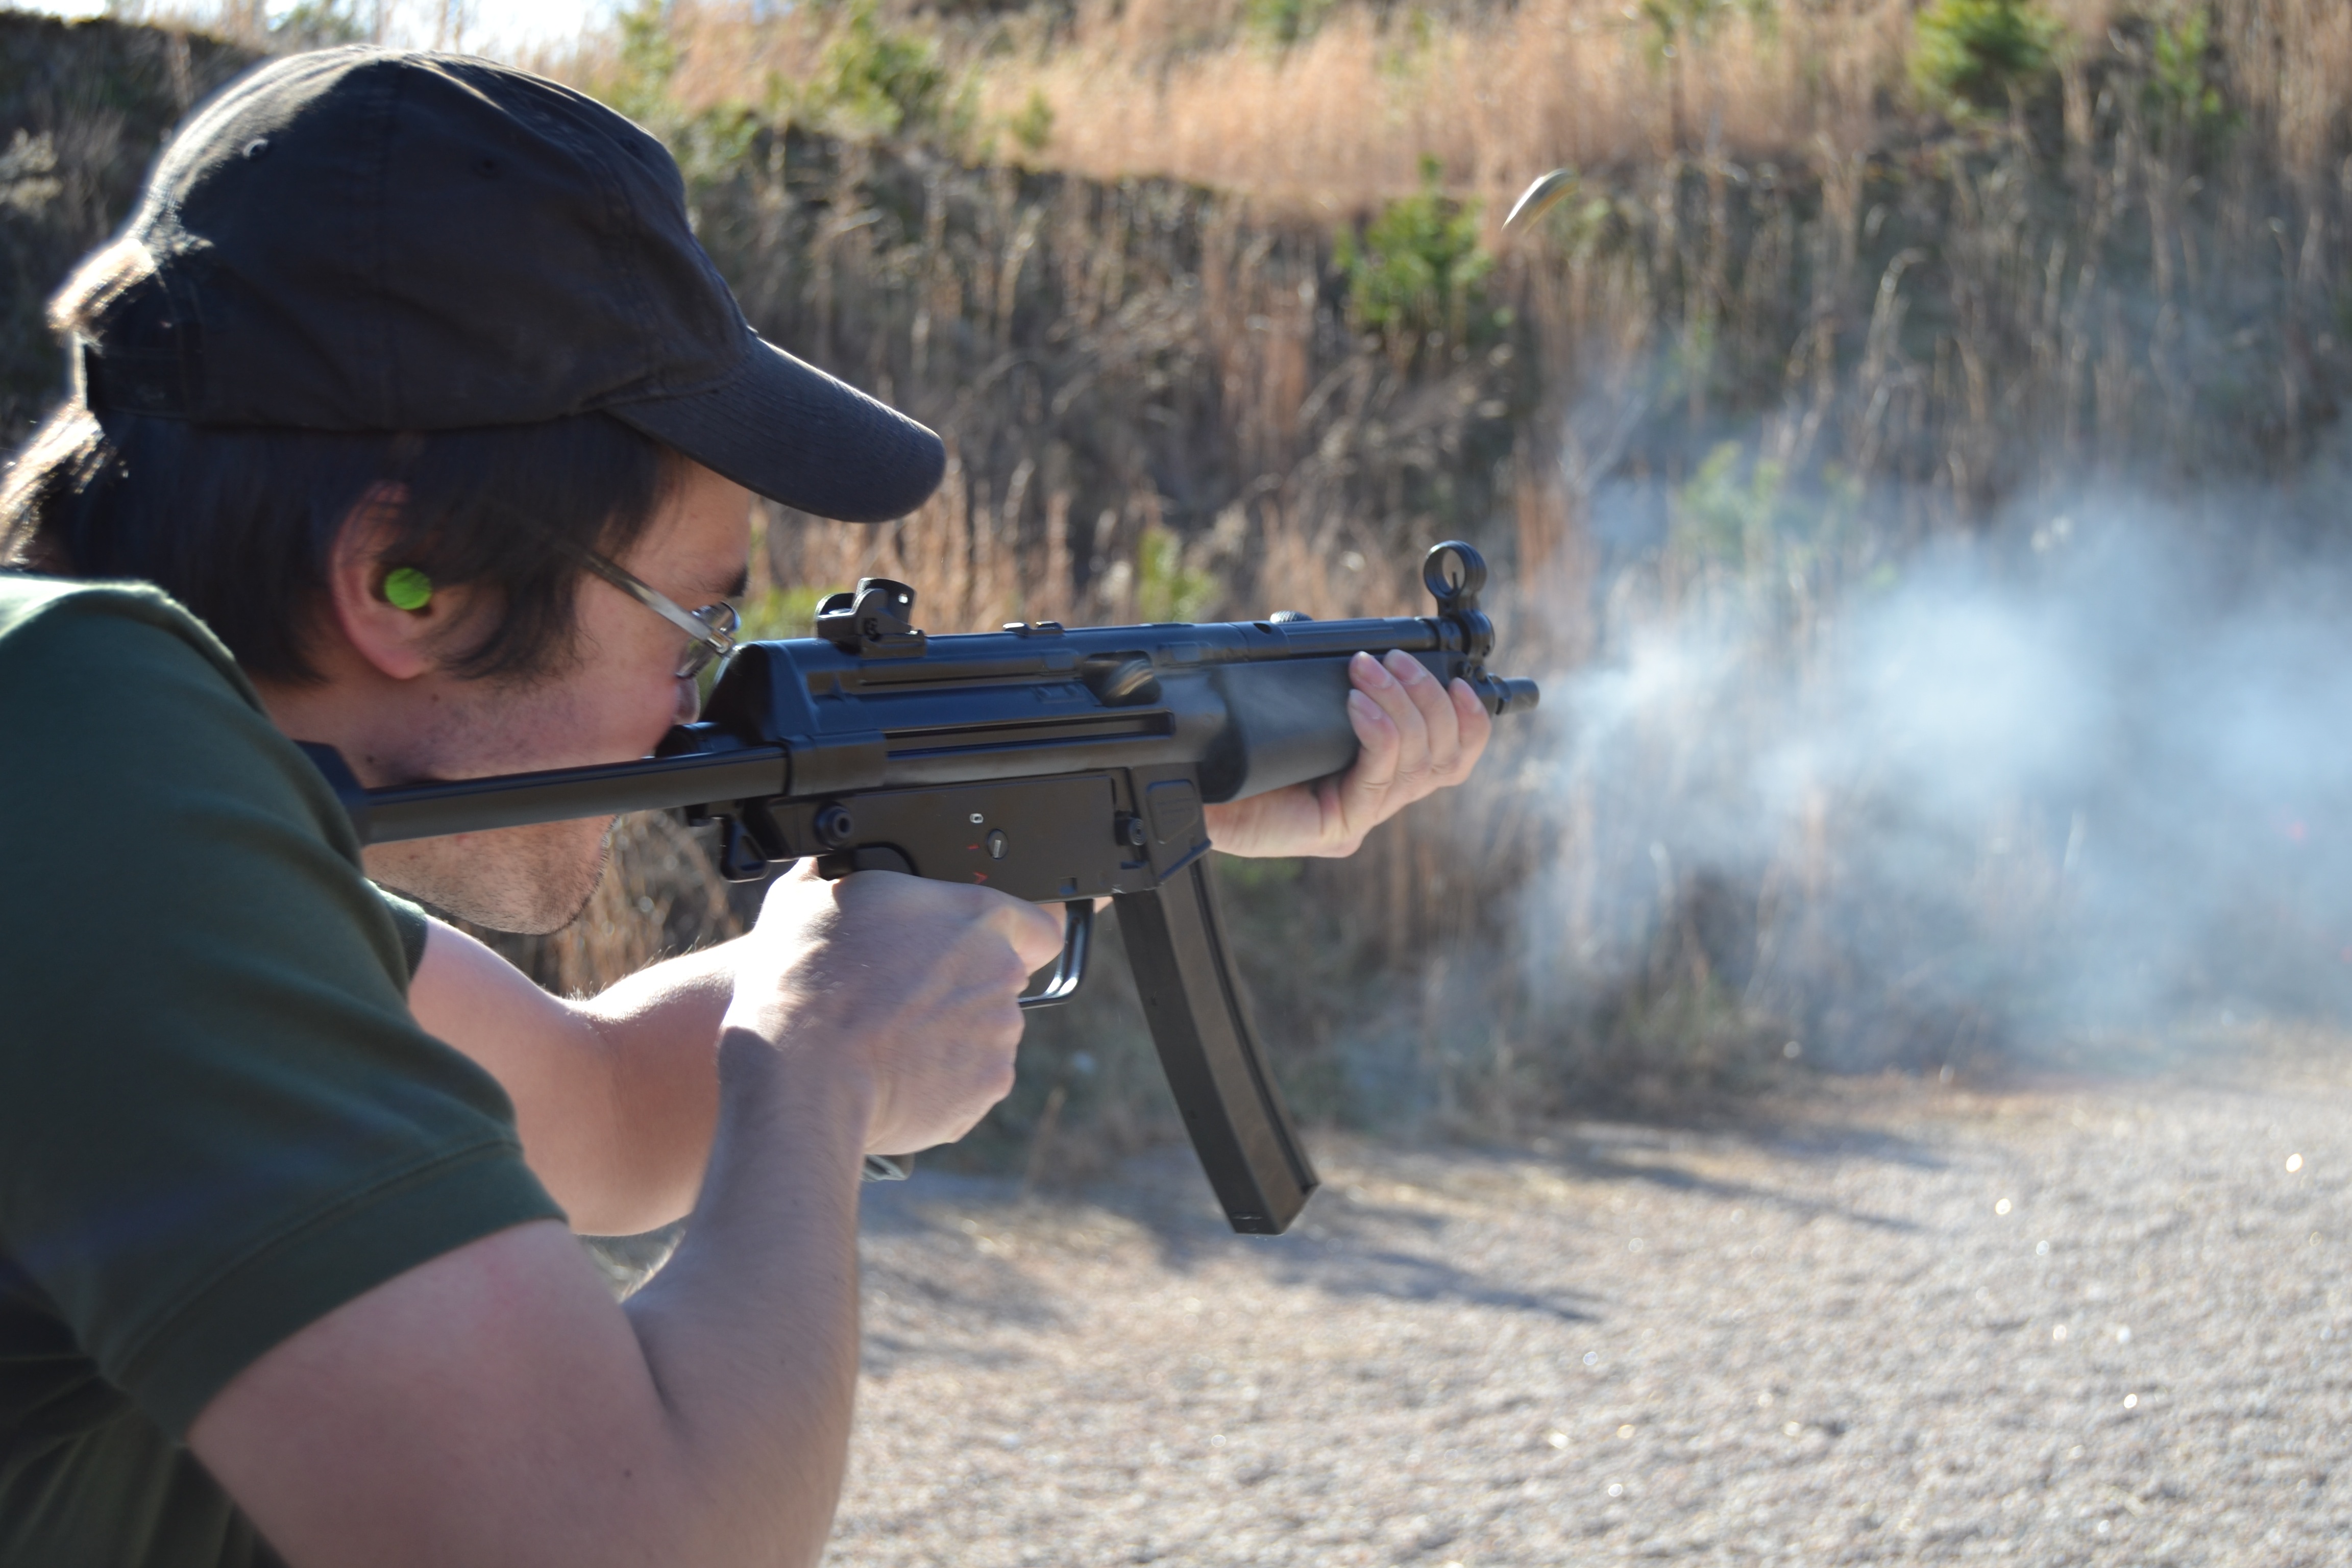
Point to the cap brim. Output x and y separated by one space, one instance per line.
786 430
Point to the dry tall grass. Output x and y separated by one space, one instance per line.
1344 117
1794 340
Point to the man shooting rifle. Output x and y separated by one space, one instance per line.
408 416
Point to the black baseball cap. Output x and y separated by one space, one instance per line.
366 239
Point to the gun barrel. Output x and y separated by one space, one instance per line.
1518 695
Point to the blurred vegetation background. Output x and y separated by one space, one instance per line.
1212 301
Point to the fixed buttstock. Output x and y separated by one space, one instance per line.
1200 1019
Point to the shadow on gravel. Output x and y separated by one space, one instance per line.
1613 1152
1343 1247
1351 1244
1676 1180
1338 1269
1806 1136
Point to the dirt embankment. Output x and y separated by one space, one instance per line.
2108 1323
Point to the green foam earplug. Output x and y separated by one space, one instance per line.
406 588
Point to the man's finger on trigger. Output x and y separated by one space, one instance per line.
1036 931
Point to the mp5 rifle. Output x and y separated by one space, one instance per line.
1057 764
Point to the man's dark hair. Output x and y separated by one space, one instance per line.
240 525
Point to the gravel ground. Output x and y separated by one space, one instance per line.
2074 1322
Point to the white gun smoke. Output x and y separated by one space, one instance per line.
2091 774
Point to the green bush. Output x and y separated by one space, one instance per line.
783 611
1742 517
1283 22
1674 21
1032 127
1418 267
318 24
648 58
2180 94
1728 518
1166 588
870 81
1971 55
875 80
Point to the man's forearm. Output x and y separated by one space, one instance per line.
658 1032
616 1095
750 1332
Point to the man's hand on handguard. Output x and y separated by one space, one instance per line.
909 984
1417 737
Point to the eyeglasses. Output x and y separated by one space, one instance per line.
712 628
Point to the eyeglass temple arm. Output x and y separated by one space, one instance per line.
659 603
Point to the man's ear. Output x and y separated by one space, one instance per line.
392 619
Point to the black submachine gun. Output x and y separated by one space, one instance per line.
1057 764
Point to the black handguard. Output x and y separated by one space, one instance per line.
1058 765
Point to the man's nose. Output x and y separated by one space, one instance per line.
690 702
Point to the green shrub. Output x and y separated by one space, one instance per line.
870 81
875 80
1676 22
648 58
1166 589
782 612
1725 517
1032 127
1740 515
1418 267
1974 53
2180 94
1283 22
318 24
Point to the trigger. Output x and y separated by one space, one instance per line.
1070 971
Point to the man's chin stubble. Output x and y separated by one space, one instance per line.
531 881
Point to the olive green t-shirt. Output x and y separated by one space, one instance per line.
218 1119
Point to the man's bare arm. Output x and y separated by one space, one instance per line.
617 1096
495 1406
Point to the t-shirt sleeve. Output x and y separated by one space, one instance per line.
218 1121
413 924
